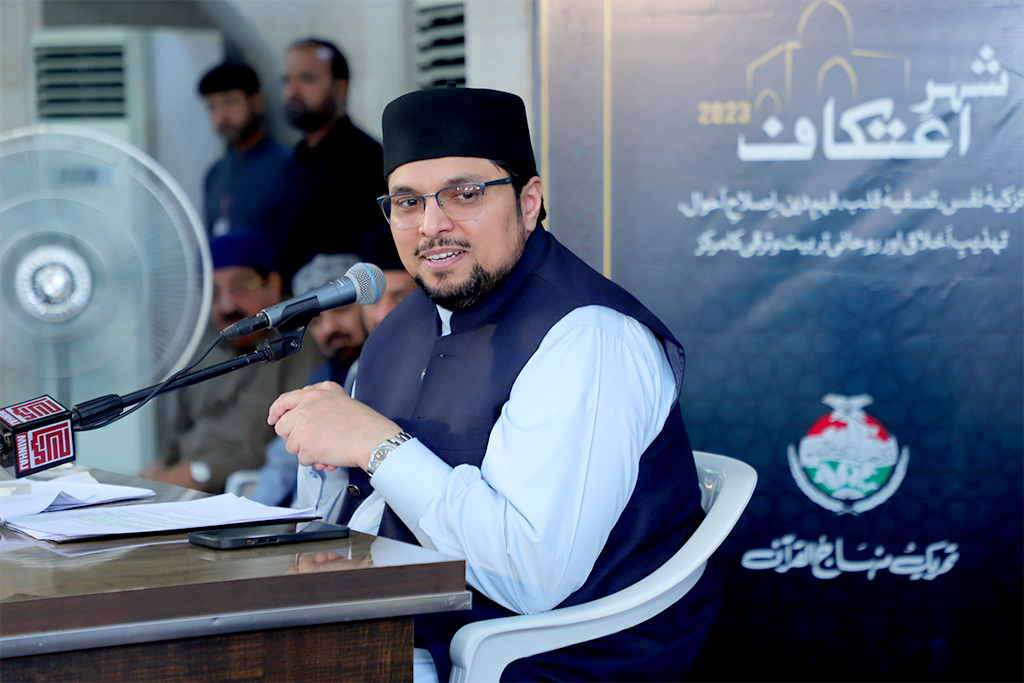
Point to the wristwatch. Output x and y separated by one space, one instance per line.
199 471
378 454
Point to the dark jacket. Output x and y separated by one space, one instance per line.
328 197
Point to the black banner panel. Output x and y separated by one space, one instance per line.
825 202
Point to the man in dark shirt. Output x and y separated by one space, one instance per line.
239 188
331 185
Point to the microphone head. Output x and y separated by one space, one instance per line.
369 282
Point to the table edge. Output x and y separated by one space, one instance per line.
216 624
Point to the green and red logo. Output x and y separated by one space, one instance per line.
848 462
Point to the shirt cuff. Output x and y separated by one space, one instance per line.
321 490
409 479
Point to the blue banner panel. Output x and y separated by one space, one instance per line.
825 202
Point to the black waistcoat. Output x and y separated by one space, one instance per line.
448 392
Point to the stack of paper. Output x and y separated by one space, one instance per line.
224 510
26 497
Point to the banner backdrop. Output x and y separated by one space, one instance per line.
825 202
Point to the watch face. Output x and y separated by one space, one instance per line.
200 472
378 457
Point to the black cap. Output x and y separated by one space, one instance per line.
458 122
229 76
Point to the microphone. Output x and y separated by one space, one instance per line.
363 284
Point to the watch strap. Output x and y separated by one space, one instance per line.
381 452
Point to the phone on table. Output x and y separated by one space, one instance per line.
227 538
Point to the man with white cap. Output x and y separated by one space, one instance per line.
518 410
339 334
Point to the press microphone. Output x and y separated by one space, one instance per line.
363 284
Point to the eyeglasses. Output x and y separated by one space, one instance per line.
239 286
461 202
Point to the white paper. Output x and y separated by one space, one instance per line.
223 510
60 494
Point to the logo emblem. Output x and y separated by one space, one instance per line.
848 462
50 444
28 411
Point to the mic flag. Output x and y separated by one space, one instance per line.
34 436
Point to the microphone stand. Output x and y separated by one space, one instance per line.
40 436
101 410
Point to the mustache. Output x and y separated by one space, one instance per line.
441 242
233 317
338 337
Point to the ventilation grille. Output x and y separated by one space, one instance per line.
440 43
80 81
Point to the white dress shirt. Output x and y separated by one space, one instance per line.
561 463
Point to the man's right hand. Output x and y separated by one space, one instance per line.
323 426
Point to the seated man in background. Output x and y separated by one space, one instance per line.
240 188
339 334
335 332
518 410
379 249
219 426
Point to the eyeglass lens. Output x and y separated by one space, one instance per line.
459 203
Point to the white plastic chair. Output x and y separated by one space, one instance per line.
480 651
242 483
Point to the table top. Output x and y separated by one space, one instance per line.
133 589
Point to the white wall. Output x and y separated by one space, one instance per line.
377 39
374 35
18 19
499 47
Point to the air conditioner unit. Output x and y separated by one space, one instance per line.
139 86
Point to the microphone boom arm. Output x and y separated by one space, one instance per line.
99 411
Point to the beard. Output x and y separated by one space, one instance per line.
309 119
340 346
245 131
480 282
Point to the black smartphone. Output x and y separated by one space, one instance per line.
227 538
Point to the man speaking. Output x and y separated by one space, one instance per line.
518 410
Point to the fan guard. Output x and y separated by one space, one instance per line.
105 276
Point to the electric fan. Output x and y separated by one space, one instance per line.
105 279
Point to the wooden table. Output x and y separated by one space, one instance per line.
176 611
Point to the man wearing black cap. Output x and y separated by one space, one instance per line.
239 188
519 410
330 184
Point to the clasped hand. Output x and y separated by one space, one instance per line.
325 428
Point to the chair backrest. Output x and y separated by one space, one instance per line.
480 651
242 483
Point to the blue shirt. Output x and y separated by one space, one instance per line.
241 189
